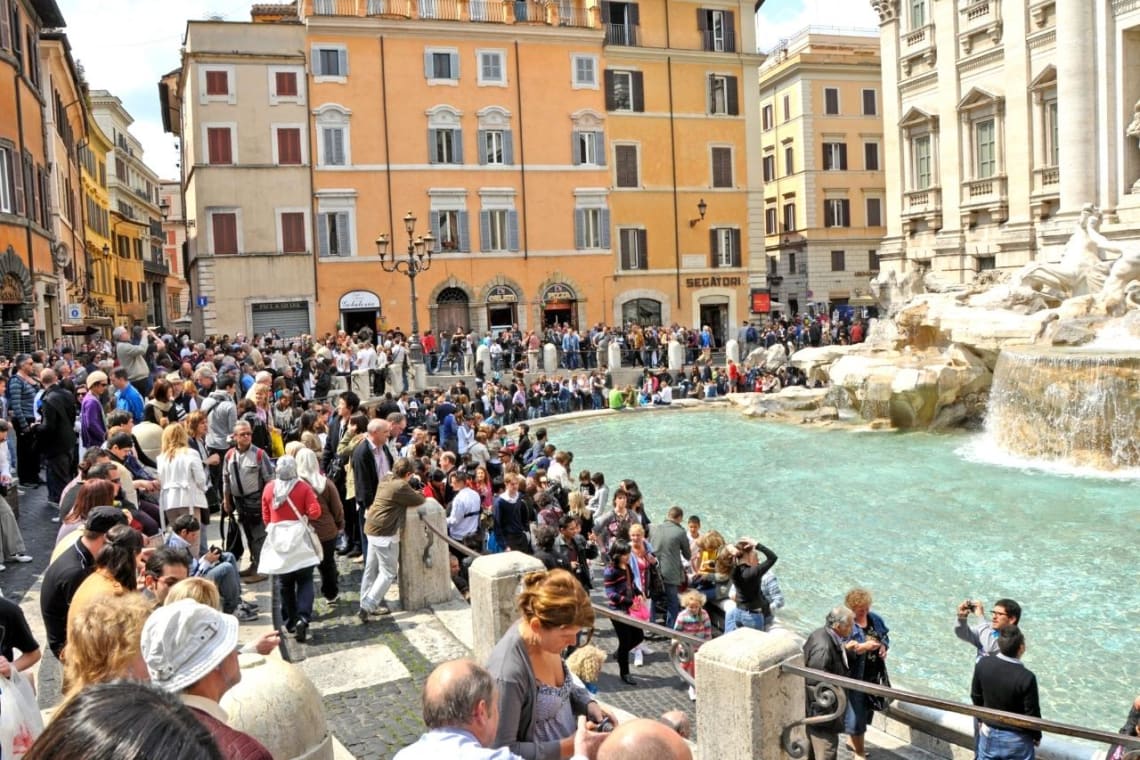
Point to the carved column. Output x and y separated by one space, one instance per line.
1076 92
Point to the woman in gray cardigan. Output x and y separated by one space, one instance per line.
538 700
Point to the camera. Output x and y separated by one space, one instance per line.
972 605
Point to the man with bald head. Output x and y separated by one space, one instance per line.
644 739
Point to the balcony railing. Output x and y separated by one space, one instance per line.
558 13
155 267
438 10
530 12
573 14
621 34
983 191
719 42
335 7
488 11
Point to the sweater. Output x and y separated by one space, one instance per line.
389 510
233 744
1003 683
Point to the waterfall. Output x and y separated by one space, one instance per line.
1070 406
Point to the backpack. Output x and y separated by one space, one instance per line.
750 334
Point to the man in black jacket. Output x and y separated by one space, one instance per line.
1002 682
346 405
824 650
371 461
56 441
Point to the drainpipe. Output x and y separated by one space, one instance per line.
29 193
673 163
387 148
522 153
312 210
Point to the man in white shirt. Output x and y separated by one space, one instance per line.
463 521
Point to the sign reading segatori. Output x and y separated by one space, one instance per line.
713 282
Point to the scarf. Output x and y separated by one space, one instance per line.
284 480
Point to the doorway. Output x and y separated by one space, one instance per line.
715 315
452 312
357 319
500 317
558 314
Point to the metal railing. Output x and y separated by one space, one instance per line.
621 34
828 692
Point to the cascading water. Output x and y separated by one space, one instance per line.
1071 406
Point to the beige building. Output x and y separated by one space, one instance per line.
239 103
822 164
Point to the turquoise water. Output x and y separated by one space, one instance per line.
919 521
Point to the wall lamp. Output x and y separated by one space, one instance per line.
702 207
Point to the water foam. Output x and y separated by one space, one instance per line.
985 450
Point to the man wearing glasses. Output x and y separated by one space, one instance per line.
244 474
22 390
984 635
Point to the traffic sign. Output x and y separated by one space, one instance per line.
202 301
74 311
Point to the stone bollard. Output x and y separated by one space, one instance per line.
549 357
417 376
743 668
422 585
676 356
494 585
615 355
277 704
732 351
483 356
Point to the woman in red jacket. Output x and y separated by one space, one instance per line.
287 498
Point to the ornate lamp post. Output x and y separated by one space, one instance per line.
418 260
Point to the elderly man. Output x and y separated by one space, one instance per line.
191 650
245 472
22 390
384 522
371 461
130 349
825 650
644 739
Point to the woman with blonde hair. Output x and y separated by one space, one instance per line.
538 700
104 642
183 477
201 590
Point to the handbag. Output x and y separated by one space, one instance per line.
20 720
231 536
639 609
874 701
290 545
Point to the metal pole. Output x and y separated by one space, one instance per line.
415 346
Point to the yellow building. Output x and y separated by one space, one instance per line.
687 199
822 163
100 306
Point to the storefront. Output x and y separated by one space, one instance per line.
359 309
559 305
502 308
16 298
289 318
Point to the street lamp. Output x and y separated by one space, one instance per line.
418 260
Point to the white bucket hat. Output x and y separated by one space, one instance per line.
184 641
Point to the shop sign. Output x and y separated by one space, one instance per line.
713 282
502 294
11 290
280 306
558 292
359 300
761 301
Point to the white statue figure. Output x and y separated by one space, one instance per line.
1082 268
1122 280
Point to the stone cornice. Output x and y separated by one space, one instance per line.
888 10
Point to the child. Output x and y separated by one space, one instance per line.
694 621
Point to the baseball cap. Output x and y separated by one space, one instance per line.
102 519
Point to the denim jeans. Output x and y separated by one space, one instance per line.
224 575
672 603
742 618
1004 744
379 574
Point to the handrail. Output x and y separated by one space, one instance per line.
681 651
824 680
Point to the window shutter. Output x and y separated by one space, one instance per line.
342 63
702 19
512 230
638 88
464 235
575 150
437 246
736 248
508 148
344 244
733 98
626 246
457 145
604 223
323 234
484 230
713 255
481 141
843 156
606 16
429 68
642 249
579 228
846 213
608 77
600 148
293 233
729 31
225 233
5 30
632 14
454 65
433 154
285 84
18 182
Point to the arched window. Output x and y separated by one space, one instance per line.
452 310
641 311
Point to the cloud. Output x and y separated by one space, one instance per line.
780 19
126 45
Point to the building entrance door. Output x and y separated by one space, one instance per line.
715 315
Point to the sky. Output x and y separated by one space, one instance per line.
126 45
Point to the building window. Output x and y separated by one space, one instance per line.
723 98
873 261
1053 149
498 230
334 232
442 66
874 212
591 228
217 83
625 90
837 212
219 146
769 165
284 85
787 108
445 146
725 245
835 156
334 137
986 263
620 21
641 311
870 106
721 167
491 70
634 249
789 161
923 167
791 262
717 29
766 118
496 147
831 101
838 261
445 137
588 148
986 147
288 146
917 14
330 62
584 70
224 233
770 220
7 203
789 217
293 232
871 156
625 158
449 226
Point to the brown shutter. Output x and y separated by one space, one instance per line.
611 96
736 248
225 233
638 79
217 83
293 232
286 84
220 151
713 257
733 99
289 146
5 30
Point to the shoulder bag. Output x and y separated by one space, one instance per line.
290 545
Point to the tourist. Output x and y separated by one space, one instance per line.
104 643
11 538
124 720
371 461
215 565
528 666
341 472
466 507
984 635
1002 682
644 738
574 550
384 522
191 651
823 650
16 636
752 607
165 568
509 513
246 471
183 477
288 499
673 554
56 439
646 579
127 396
116 570
196 426
331 521
621 593
678 721
866 661
694 621
616 523
1130 728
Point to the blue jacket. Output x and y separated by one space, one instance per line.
130 400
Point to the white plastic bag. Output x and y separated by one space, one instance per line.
20 720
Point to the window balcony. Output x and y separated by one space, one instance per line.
335 7
155 267
924 204
722 42
979 19
487 11
438 10
559 13
988 195
529 12
621 34
917 46
1046 195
